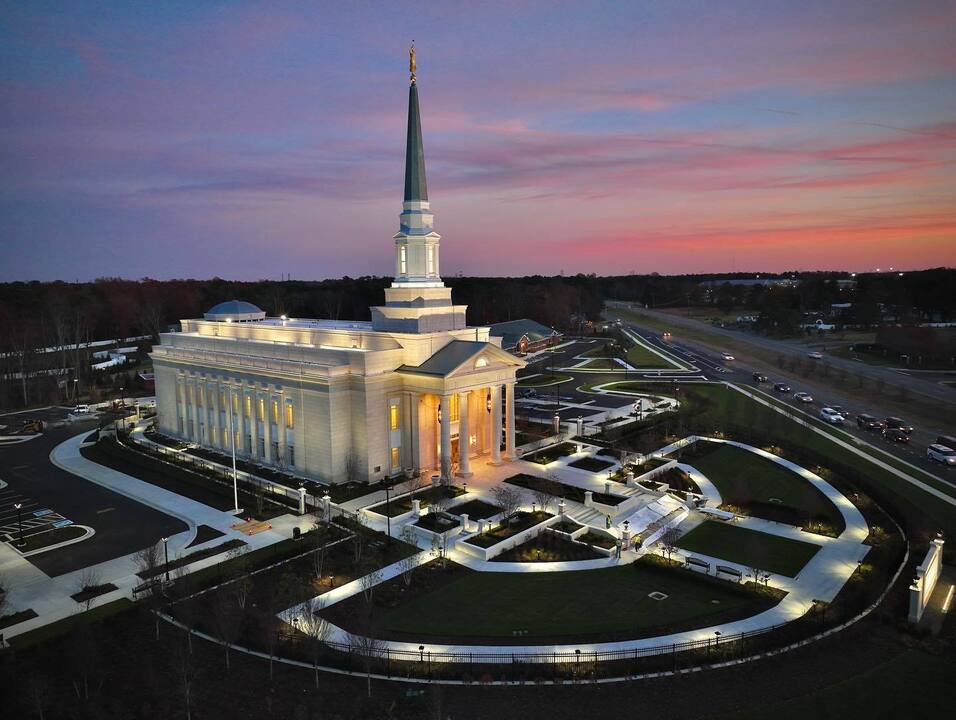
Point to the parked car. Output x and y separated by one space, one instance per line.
781 387
896 423
941 453
831 416
868 422
815 355
803 397
758 378
727 357
82 410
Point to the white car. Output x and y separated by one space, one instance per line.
727 356
815 355
831 416
82 410
941 453
803 397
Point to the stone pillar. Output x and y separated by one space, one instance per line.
464 436
283 440
416 507
481 526
588 501
327 507
254 425
496 425
561 507
510 410
464 522
197 432
414 438
301 501
183 409
216 434
241 422
267 429
446 436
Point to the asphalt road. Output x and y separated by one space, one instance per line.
122 525
925 384
715 368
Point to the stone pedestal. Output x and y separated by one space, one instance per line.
607 487
588 501
629 478
416 508
464 522
301 501
327 507
481 526
561 507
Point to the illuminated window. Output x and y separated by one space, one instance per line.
275 412
481 362
201 397
395 458
393 417
222 399
235 404
248 406
455 407
261 410
431 260
289 416
402 260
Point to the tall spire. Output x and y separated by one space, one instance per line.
416 189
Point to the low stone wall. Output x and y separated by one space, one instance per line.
488 553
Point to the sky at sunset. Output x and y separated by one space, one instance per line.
246 140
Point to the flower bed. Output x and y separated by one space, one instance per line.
550 454
559 489
598 539
518 522
591 464
437 522
426 497
475 510
548 547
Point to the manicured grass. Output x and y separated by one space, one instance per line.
762 487
749 548
594 538
61 627
602 364
640 357
39 540
591 464
562 604
546 379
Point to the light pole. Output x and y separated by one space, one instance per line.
388 508
166 551
716 638
19 523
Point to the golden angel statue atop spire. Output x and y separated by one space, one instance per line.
412 66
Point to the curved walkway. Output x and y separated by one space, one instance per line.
820 580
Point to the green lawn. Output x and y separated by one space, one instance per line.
759 486
641 357
912 684
61 627
545 379
612 600
750 548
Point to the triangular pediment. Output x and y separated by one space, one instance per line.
464 357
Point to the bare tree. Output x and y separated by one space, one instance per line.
668 542
316 630
542 498
508 499
225 620
187 672
368 648
407 566
148 567
369 582
88 581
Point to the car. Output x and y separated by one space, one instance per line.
941 453
727 357
803 397
946 441
666 335
831 416
896 423
896 435
815 355
82 410
781 387
868 422
758 378
840 411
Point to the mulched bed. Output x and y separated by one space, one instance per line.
426 497
566 526
17 617
518 522
475 510
437 522
559 489
593 538
548 547
88 593
192 557
591 464
550 454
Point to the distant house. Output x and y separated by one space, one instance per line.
524 336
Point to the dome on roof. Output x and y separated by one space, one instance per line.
234 311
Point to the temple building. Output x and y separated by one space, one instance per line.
414 389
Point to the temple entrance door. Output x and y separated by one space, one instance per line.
454 450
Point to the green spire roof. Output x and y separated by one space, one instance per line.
415 187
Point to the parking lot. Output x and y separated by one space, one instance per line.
122 525
31 517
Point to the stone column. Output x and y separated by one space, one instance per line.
254 424
267 429
241 422
217 435
414 438
496 425
445 436
283 440
230 420
464 436
197 433
183 408
510 434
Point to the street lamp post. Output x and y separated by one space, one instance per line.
18 506
166 551
388 508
